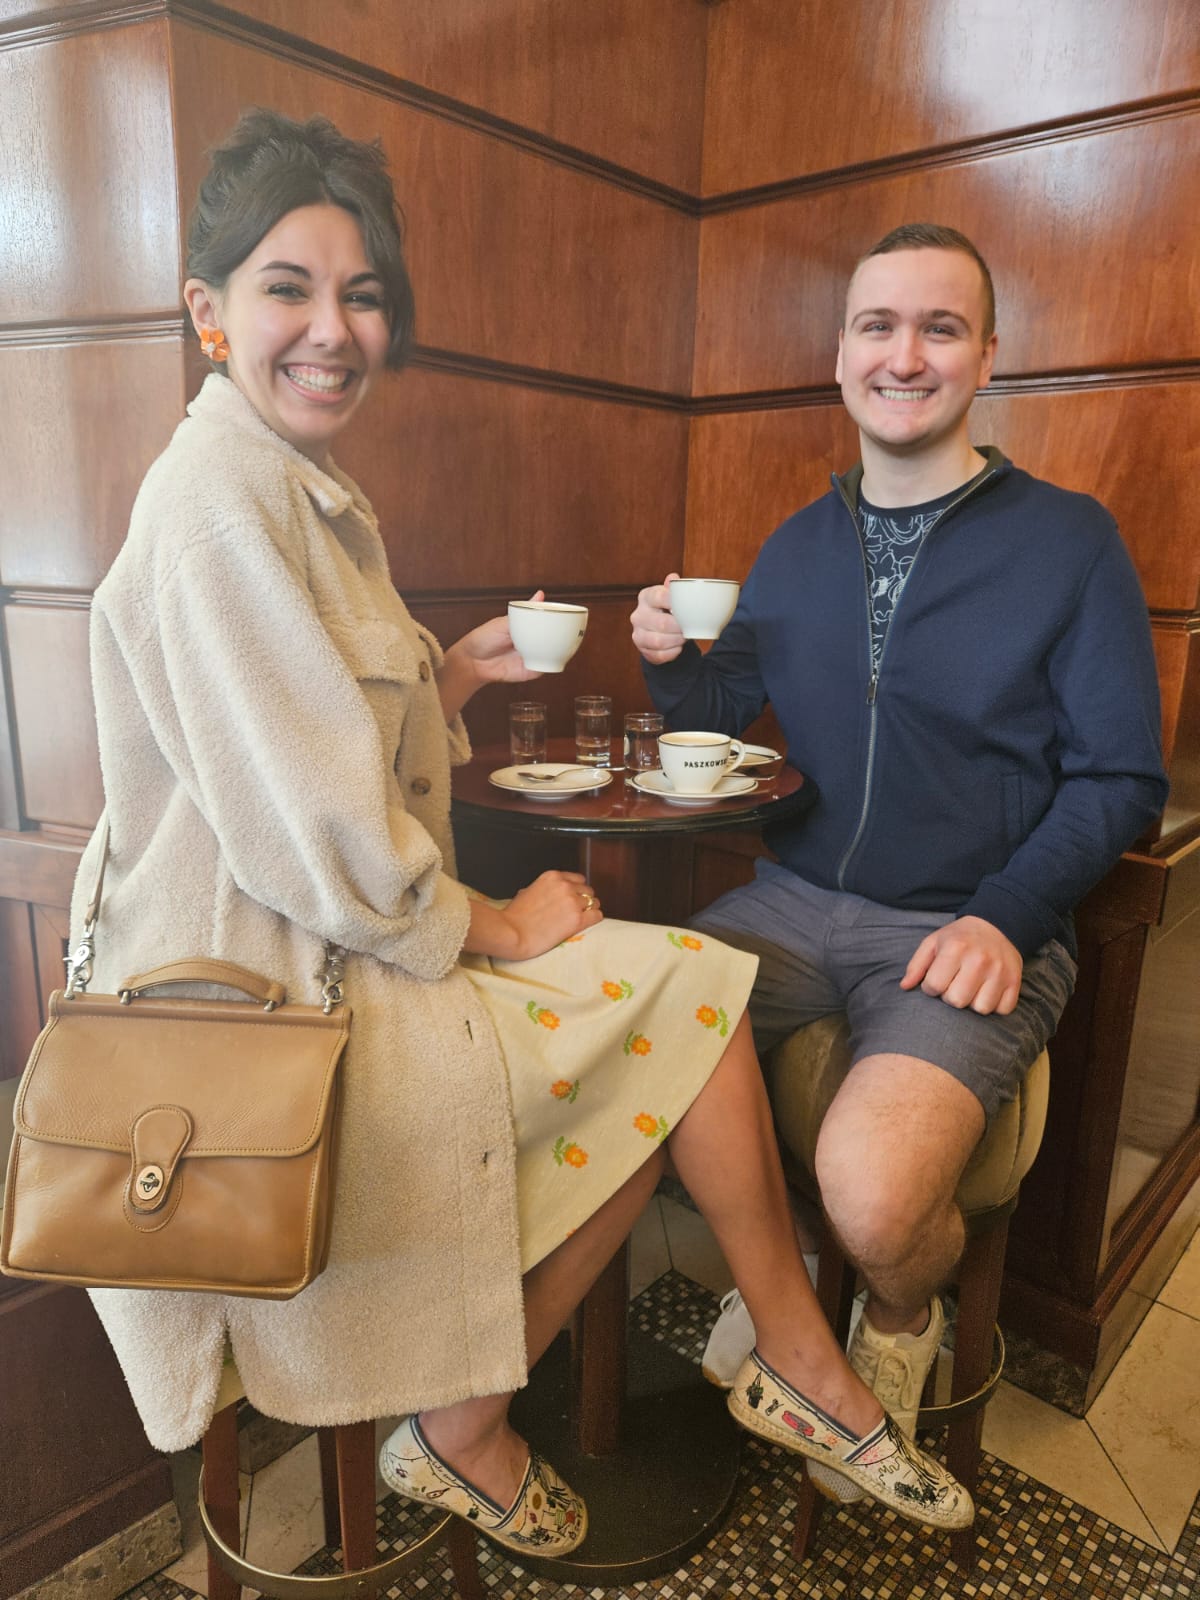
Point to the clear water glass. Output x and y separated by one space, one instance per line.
593 730
526 731
642 729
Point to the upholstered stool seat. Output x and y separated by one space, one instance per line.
803 1076
348 1492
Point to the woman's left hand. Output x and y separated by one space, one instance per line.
485 655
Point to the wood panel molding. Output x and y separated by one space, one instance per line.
1093 213
561 274
1136 449
848 84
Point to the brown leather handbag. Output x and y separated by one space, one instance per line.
166 1143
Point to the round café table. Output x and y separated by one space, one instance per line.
630 1423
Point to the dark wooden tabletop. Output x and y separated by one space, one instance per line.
618 809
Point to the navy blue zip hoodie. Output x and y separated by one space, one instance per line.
1008 751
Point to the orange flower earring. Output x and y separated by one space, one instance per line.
212 342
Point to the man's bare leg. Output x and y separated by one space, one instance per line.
891 1151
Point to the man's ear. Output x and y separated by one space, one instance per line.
837 371
202 303
989 357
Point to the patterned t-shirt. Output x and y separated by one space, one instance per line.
891 538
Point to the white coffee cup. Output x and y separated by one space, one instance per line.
545 633
702 606
694 763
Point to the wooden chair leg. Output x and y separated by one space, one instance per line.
979 1281
329 1487
354 1446
598 1359
464 1561
219 1453
809 1505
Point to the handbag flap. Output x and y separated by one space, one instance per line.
252 1082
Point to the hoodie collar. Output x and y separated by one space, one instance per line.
223 405
997 462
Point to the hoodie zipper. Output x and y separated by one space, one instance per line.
873 684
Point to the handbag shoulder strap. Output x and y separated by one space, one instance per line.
79 962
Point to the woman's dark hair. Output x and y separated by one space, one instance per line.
270 165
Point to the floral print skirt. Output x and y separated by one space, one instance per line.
607 1039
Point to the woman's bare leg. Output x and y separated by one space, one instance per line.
725 1153
474 1436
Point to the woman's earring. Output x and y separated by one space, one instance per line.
212 342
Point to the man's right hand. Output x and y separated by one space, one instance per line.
656 635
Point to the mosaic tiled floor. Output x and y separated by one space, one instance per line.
1031 1540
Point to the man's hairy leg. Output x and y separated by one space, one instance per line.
892 1149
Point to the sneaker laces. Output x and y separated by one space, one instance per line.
892 1381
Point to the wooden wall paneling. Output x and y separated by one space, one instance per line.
90 207
606 663
482 485
514 258
1135 448
21 1011
793 90
51 928
619 79
81 422
101 1475
59 764
1091 242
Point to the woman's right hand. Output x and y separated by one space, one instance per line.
554 907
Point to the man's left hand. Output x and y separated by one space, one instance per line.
969 962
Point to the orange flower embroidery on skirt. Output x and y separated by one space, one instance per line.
685 941
569 1155
616 991
636 1044
537 1013
713 1017
653 1127
564 1089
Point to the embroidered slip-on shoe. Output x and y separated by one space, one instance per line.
894 1367
546 1519
888 1466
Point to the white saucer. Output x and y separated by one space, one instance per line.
729 787
566 780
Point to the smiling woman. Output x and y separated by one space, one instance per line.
276 734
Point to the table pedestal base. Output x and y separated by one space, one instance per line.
666 1490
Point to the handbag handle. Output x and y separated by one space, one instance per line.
203 970
200 970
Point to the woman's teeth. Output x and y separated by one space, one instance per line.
314 378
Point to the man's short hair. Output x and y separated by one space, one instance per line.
934 236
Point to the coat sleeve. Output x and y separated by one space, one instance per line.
273 740
1111 780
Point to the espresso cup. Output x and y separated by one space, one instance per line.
702 606
694 763
545 634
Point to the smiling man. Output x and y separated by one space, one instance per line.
959 657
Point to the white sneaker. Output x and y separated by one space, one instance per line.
894 1367
732 1336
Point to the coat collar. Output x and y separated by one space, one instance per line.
222 404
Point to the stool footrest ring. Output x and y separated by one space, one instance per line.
941 1416
329 1586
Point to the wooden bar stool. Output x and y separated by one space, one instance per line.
803 1075
348 1490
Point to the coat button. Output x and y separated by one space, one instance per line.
420 786
424 671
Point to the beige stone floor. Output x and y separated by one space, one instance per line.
1135 1458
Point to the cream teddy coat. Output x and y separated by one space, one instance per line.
276 773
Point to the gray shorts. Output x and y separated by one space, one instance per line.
822 951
